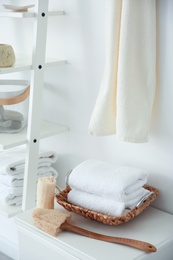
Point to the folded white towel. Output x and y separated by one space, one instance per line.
104 179
125 100
17 179
15 200
13 160
8 191
6 114
14 127
20 169
11 195
96 203
11 121
6 123
104 205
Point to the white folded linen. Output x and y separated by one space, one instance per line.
125 100
104 179
6 123
8 191
6 114
104 205
17 179
15 200
13 160
12 194
11 121
14 127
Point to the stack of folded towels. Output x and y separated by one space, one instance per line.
11 121
104 188
12 167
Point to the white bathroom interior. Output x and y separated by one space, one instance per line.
70 93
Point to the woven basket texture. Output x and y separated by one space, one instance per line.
61 198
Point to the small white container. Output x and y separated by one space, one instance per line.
13 105
7 56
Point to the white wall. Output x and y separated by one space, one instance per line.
71 91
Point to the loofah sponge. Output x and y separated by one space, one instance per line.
46 192
50 220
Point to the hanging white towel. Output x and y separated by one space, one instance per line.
104 179
13 160
125 100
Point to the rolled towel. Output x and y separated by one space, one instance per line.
10 115
104 179
14 127
13 160
11 121
13 115
104 205
5 124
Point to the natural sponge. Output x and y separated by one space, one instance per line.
46 192
50 220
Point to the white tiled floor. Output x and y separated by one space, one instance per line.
4 257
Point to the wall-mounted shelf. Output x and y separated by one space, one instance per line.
36 129
11 140
27 14
47 129
24 63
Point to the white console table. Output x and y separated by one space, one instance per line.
153 226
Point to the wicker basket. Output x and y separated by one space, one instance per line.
61 198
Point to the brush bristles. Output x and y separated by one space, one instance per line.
49 220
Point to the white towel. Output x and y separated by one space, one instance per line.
104 205
6 123
15 200
12 194
17 179
11 121
125 100
13 160
6 114
96 203
8 191
14 127
104 179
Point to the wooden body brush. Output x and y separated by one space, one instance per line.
54 221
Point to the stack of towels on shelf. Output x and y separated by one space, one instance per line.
10 121
104 188
12 167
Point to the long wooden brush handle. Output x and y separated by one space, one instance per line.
144 246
